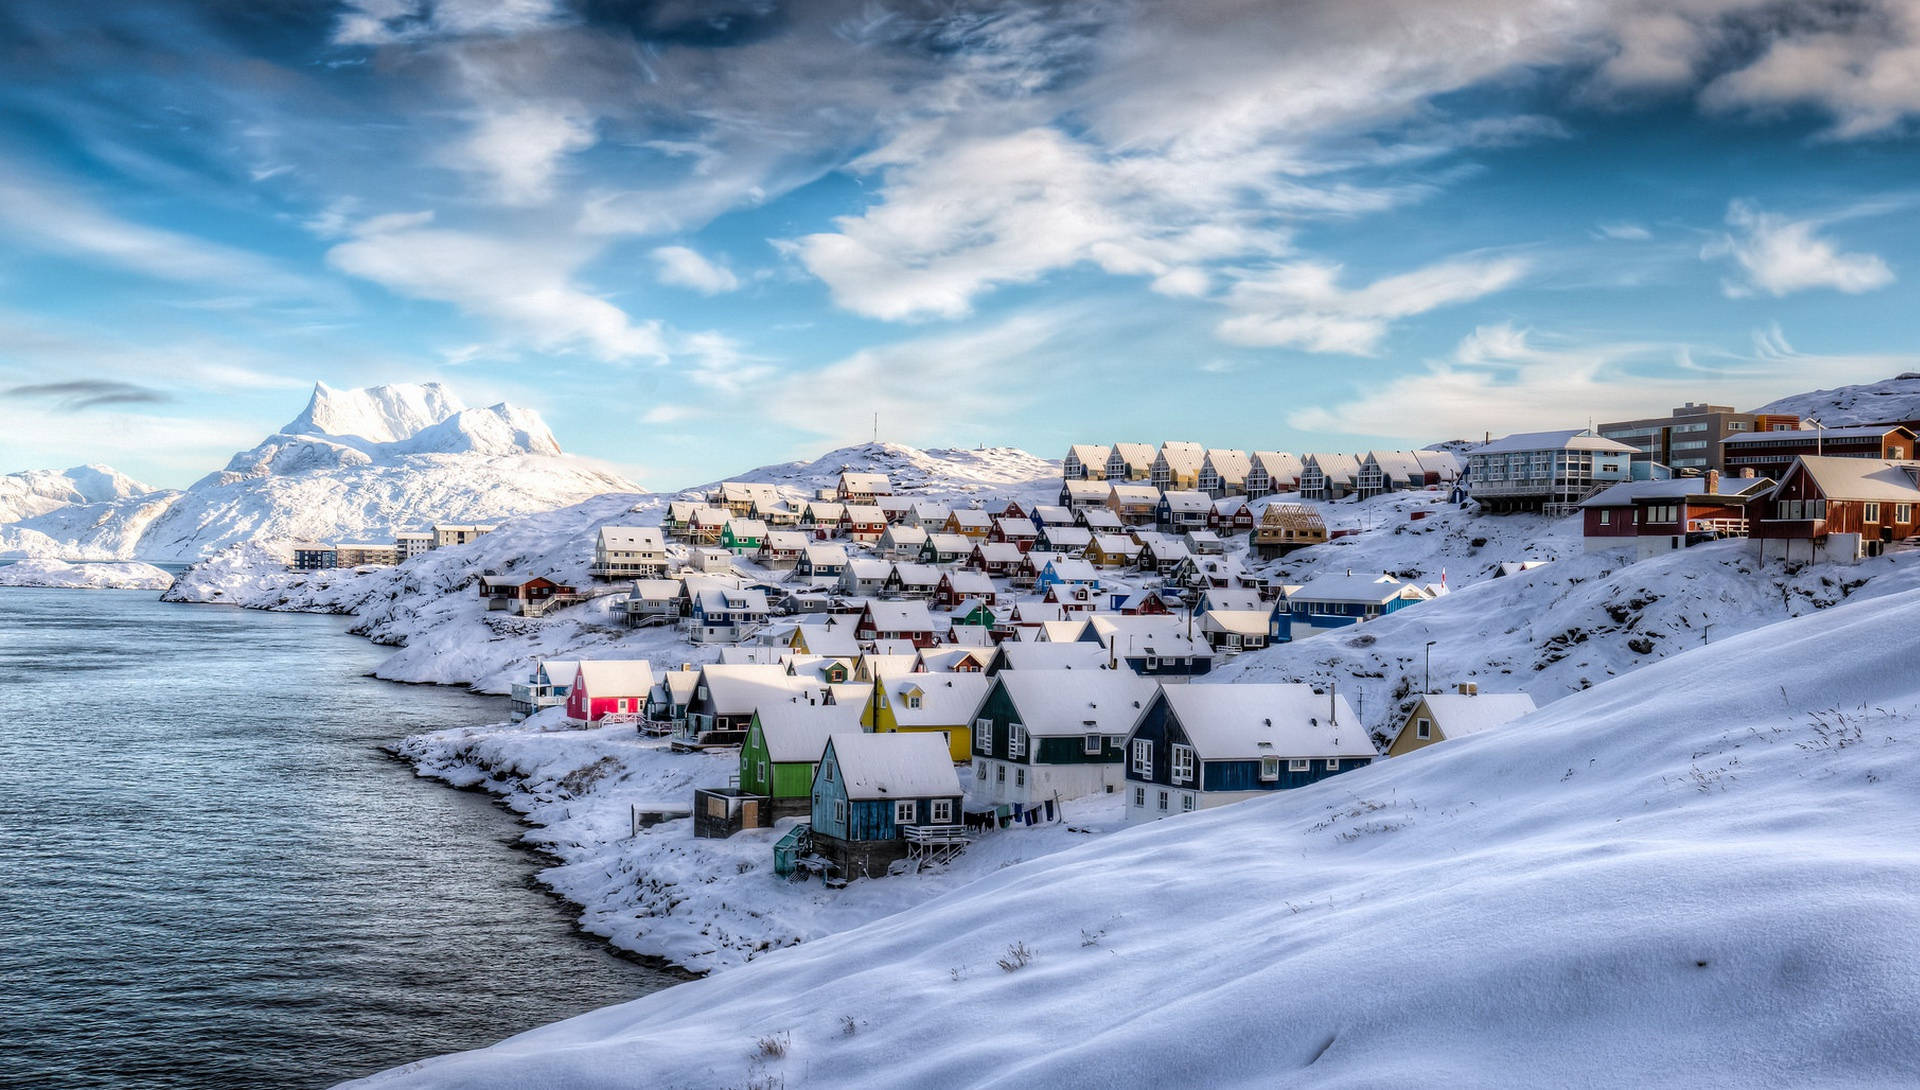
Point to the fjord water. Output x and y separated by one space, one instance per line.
210 876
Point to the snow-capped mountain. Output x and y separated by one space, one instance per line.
1886 401
353 464
38 491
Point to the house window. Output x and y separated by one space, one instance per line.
1186 802
1606 518
913 701
1182 764
1870 512
1143 757
1019 777
839 811
1140 797
1091 745
828 773
761 771
1269 768
999 773
979 770
1423 727
1333 764
1299 764
904 812
1016 741
1163 802
942 812
1903 512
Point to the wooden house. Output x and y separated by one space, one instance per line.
783 748
1772 453
1134 504
780 549
902 542
945 548
726 696
1389 471
1017 531
1232 631
1177 466
1130 461
908 621
1651 517
743 536
863 522
1337 601
1085 462
821 562
823 519
1440 716
865 577
603 688
1271 471
739 497
910 580
526 597
679 520
1328 476
832 637
1230 515
862 488
726 615
1113 551
1183 511
952 659
1161 553
1166 647
974 525
1080 495
1074 599
1066 540
1203 543
1839 509
1054 515
927 703
1102 520
928 516
546 687
1041 737
1027 573
1194 747
995 558
881 798
895 508
1067 570
652 602
1018 655
666 709
956 587
1014 510
629 552
1284 527
1224 473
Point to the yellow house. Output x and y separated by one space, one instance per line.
1440 716
911 703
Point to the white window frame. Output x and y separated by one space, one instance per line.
1423 727
1163 802
999 773
942 812
1092 744
1143 757
1903 512
980 769
1269 769
905 812
1870 511
1299 764
828 773
1333 764
1186 802
1182 764
1019 777
983 733
1016 740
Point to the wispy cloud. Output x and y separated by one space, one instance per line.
683 267
1302 305
80 395
1779 256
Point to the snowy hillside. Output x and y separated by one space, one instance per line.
115 575
1702 875
945 475
354 464
39 491
1886 401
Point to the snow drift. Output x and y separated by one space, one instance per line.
353 464
1701 874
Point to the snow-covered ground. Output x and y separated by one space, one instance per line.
1889 400
701 904
96 576
354 465
1705 874
40 491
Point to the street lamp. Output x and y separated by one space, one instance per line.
1819 437
1429 687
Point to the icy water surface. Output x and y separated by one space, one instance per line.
210 876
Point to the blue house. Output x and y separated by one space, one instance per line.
821 562
1067 570
1336 601
1152 645
880 798
1198 746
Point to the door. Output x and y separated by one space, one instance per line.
750 814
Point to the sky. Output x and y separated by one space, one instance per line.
703 236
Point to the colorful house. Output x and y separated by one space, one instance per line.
1194 747
1041 737
1336 601
941 704
783 749
1440 716
881 798
609 687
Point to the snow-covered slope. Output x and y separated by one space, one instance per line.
1707 874
39 491
104 576
945 475
353 464
1886 401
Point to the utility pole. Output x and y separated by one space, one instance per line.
1429 686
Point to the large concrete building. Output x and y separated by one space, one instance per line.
1687 440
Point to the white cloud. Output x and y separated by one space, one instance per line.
1622 232
1779 256
526 286
1860 65
688 268
520 149
386 22
1501 379
1302 305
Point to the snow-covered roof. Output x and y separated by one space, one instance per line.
1180 502
1093 454
560 671
1134 493
1099 518
826 554
1337 467
868 568
1810 435
825 510
1234 598
1248 720
792 540
1016 527
1242 622
1231 465
616 677
798 733
865 482
1399 464
947 658
1116 544
908 765
1574 439
1056 703
917 575
1062 631
926 509
1087 490
1069 535
731 600
1363 589
1862 478
946 699
1052 514
1074 570
740 528
1182 457
1458 714
1148 634
970 582
968 517
1138 456
1280 465
1674 488
902 534
741 688
865 512
631 539
1443 462
901 616
999 552
950 543
1023 655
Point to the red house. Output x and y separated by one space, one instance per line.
1230 515
1659 516
1013 531
603 688
1822 502
896 621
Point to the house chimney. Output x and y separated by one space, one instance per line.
1713 482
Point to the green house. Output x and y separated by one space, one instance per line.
981 614
742 536
783 748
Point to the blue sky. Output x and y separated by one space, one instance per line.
702 236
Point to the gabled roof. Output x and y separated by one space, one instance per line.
1087 490
864 568
999 552
740 528
864 512
1018 655
1149 635
1115 544
944 658
917 575
1337 467
1182 457
786 539
1362 589
1136 455
825 510
902 534
1016 527
1246 721
901 616
950 543
1069 535
1099 518
632 538
560 671
1575 439
1458 715
1445 463
926 509
1243 622
798 733
967 516
1186 502
1861 478
1675 488
1091 453
731 600
1279 464
894 766
616 677
970 582
1052 514
1397 464
655 590
1124 492
1060 703
1074 570
865 482
826 554
946 699
741 688
1231 465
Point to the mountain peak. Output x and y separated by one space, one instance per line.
375 414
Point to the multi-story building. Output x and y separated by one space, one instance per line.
1549 471
1689 438
446 533
412 543
1772 453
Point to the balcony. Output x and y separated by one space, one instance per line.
1804 529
